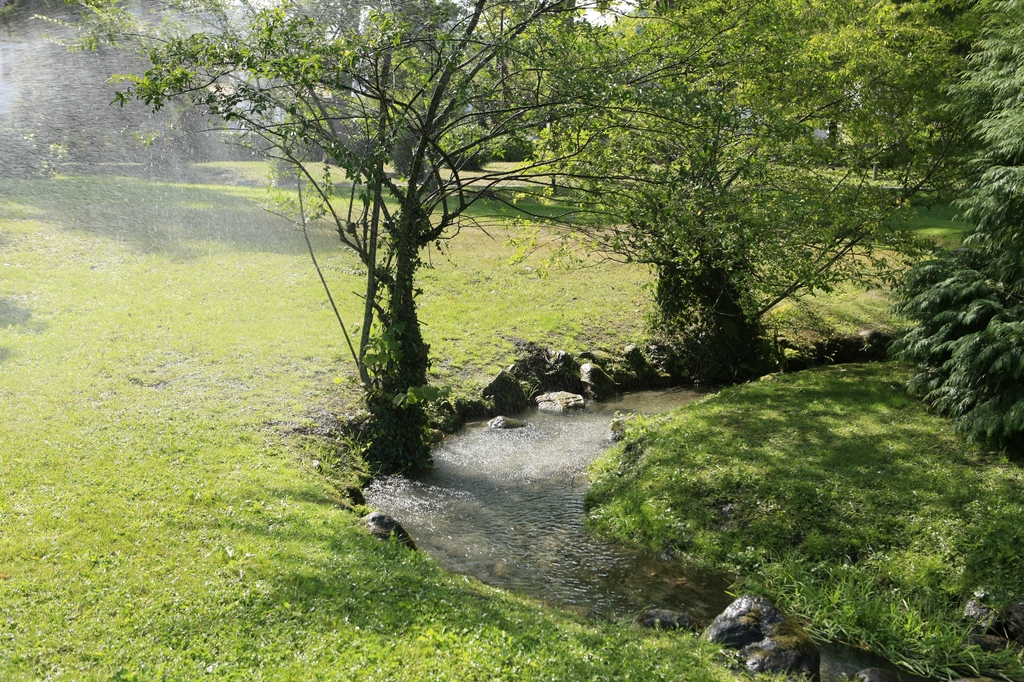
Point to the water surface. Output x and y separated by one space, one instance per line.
506 506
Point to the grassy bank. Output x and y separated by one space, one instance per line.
159 520
840 497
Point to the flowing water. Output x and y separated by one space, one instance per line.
506 506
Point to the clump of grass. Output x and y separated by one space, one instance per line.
838 495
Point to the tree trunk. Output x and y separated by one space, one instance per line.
398 433
411 366
703 314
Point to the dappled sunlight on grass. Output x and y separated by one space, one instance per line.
841 453
208 552
809 472
473 300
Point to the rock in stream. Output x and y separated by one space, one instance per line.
502 422
768 640
560 401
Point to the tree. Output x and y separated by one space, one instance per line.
757 151
968 303
380 109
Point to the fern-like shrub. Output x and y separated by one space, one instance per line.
969 303
968 344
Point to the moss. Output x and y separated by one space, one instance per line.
791 637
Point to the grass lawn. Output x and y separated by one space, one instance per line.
156 341
940 224
838 496
159 343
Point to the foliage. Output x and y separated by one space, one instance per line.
969 303
839 496
740 157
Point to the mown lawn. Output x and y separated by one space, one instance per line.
837 495
940 223
158 343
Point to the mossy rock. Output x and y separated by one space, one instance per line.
506 393
597 385
768 640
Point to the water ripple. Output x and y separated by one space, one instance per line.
506 506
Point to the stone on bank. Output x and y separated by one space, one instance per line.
383 527
663 619
506 393
768 640
597 385
560 401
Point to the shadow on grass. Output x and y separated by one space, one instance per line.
177 219
835 463
12 314
155 216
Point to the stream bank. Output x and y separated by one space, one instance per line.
600 375
506 506
839 495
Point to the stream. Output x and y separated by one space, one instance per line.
506 507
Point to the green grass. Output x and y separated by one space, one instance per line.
159 520
837 495
939 223
250 173
845 311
